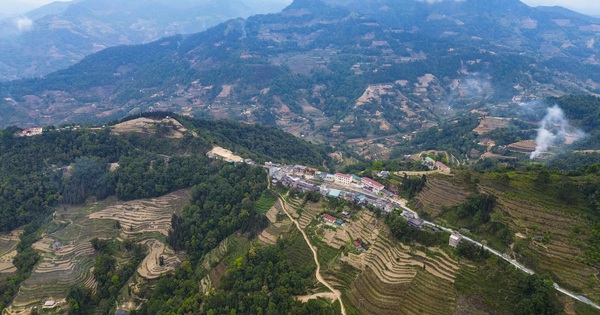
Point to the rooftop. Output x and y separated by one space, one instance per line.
372 182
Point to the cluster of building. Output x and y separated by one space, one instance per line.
362 190
29 132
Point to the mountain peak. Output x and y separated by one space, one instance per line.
306 4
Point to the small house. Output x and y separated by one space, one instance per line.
328 218
417 223
455 238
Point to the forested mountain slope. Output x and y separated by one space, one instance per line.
329 72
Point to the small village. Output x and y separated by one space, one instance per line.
363 191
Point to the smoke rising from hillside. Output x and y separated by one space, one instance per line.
24 24
554 130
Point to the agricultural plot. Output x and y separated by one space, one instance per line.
562 250
389 278
488 124
276 228
68 254
151 267
438 193
215 262
395 279
8 245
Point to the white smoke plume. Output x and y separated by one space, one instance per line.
554 130
24 24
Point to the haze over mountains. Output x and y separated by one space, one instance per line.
333 71
59 34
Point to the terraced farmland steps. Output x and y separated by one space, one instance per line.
519 266
335 292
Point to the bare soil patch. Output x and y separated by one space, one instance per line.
148 126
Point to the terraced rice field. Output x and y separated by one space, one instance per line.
439 192
562 254
8 245
150 267
398 280
275 229
140 216
68 254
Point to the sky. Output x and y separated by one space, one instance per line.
590 7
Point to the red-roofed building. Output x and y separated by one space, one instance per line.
328 218
441 166
343 179
375 186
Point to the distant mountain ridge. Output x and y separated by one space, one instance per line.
59 34
364 70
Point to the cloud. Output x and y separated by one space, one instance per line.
24 24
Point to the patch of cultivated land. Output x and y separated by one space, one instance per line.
396 279
490 123
275 228
530 212
68 255
8 245
389 278
439 192
150 267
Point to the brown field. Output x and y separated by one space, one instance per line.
150 267
276 228
490 123
8 245
523 146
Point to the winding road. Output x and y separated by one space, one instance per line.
335 294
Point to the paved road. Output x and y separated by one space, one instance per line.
336 293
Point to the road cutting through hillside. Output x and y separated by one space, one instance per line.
334 293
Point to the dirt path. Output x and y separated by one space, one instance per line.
328 295
334 293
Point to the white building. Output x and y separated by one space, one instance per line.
343 179
455 238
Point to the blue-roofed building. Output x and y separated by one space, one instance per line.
329 177
335 193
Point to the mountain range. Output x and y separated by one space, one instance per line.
60 34
331 71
